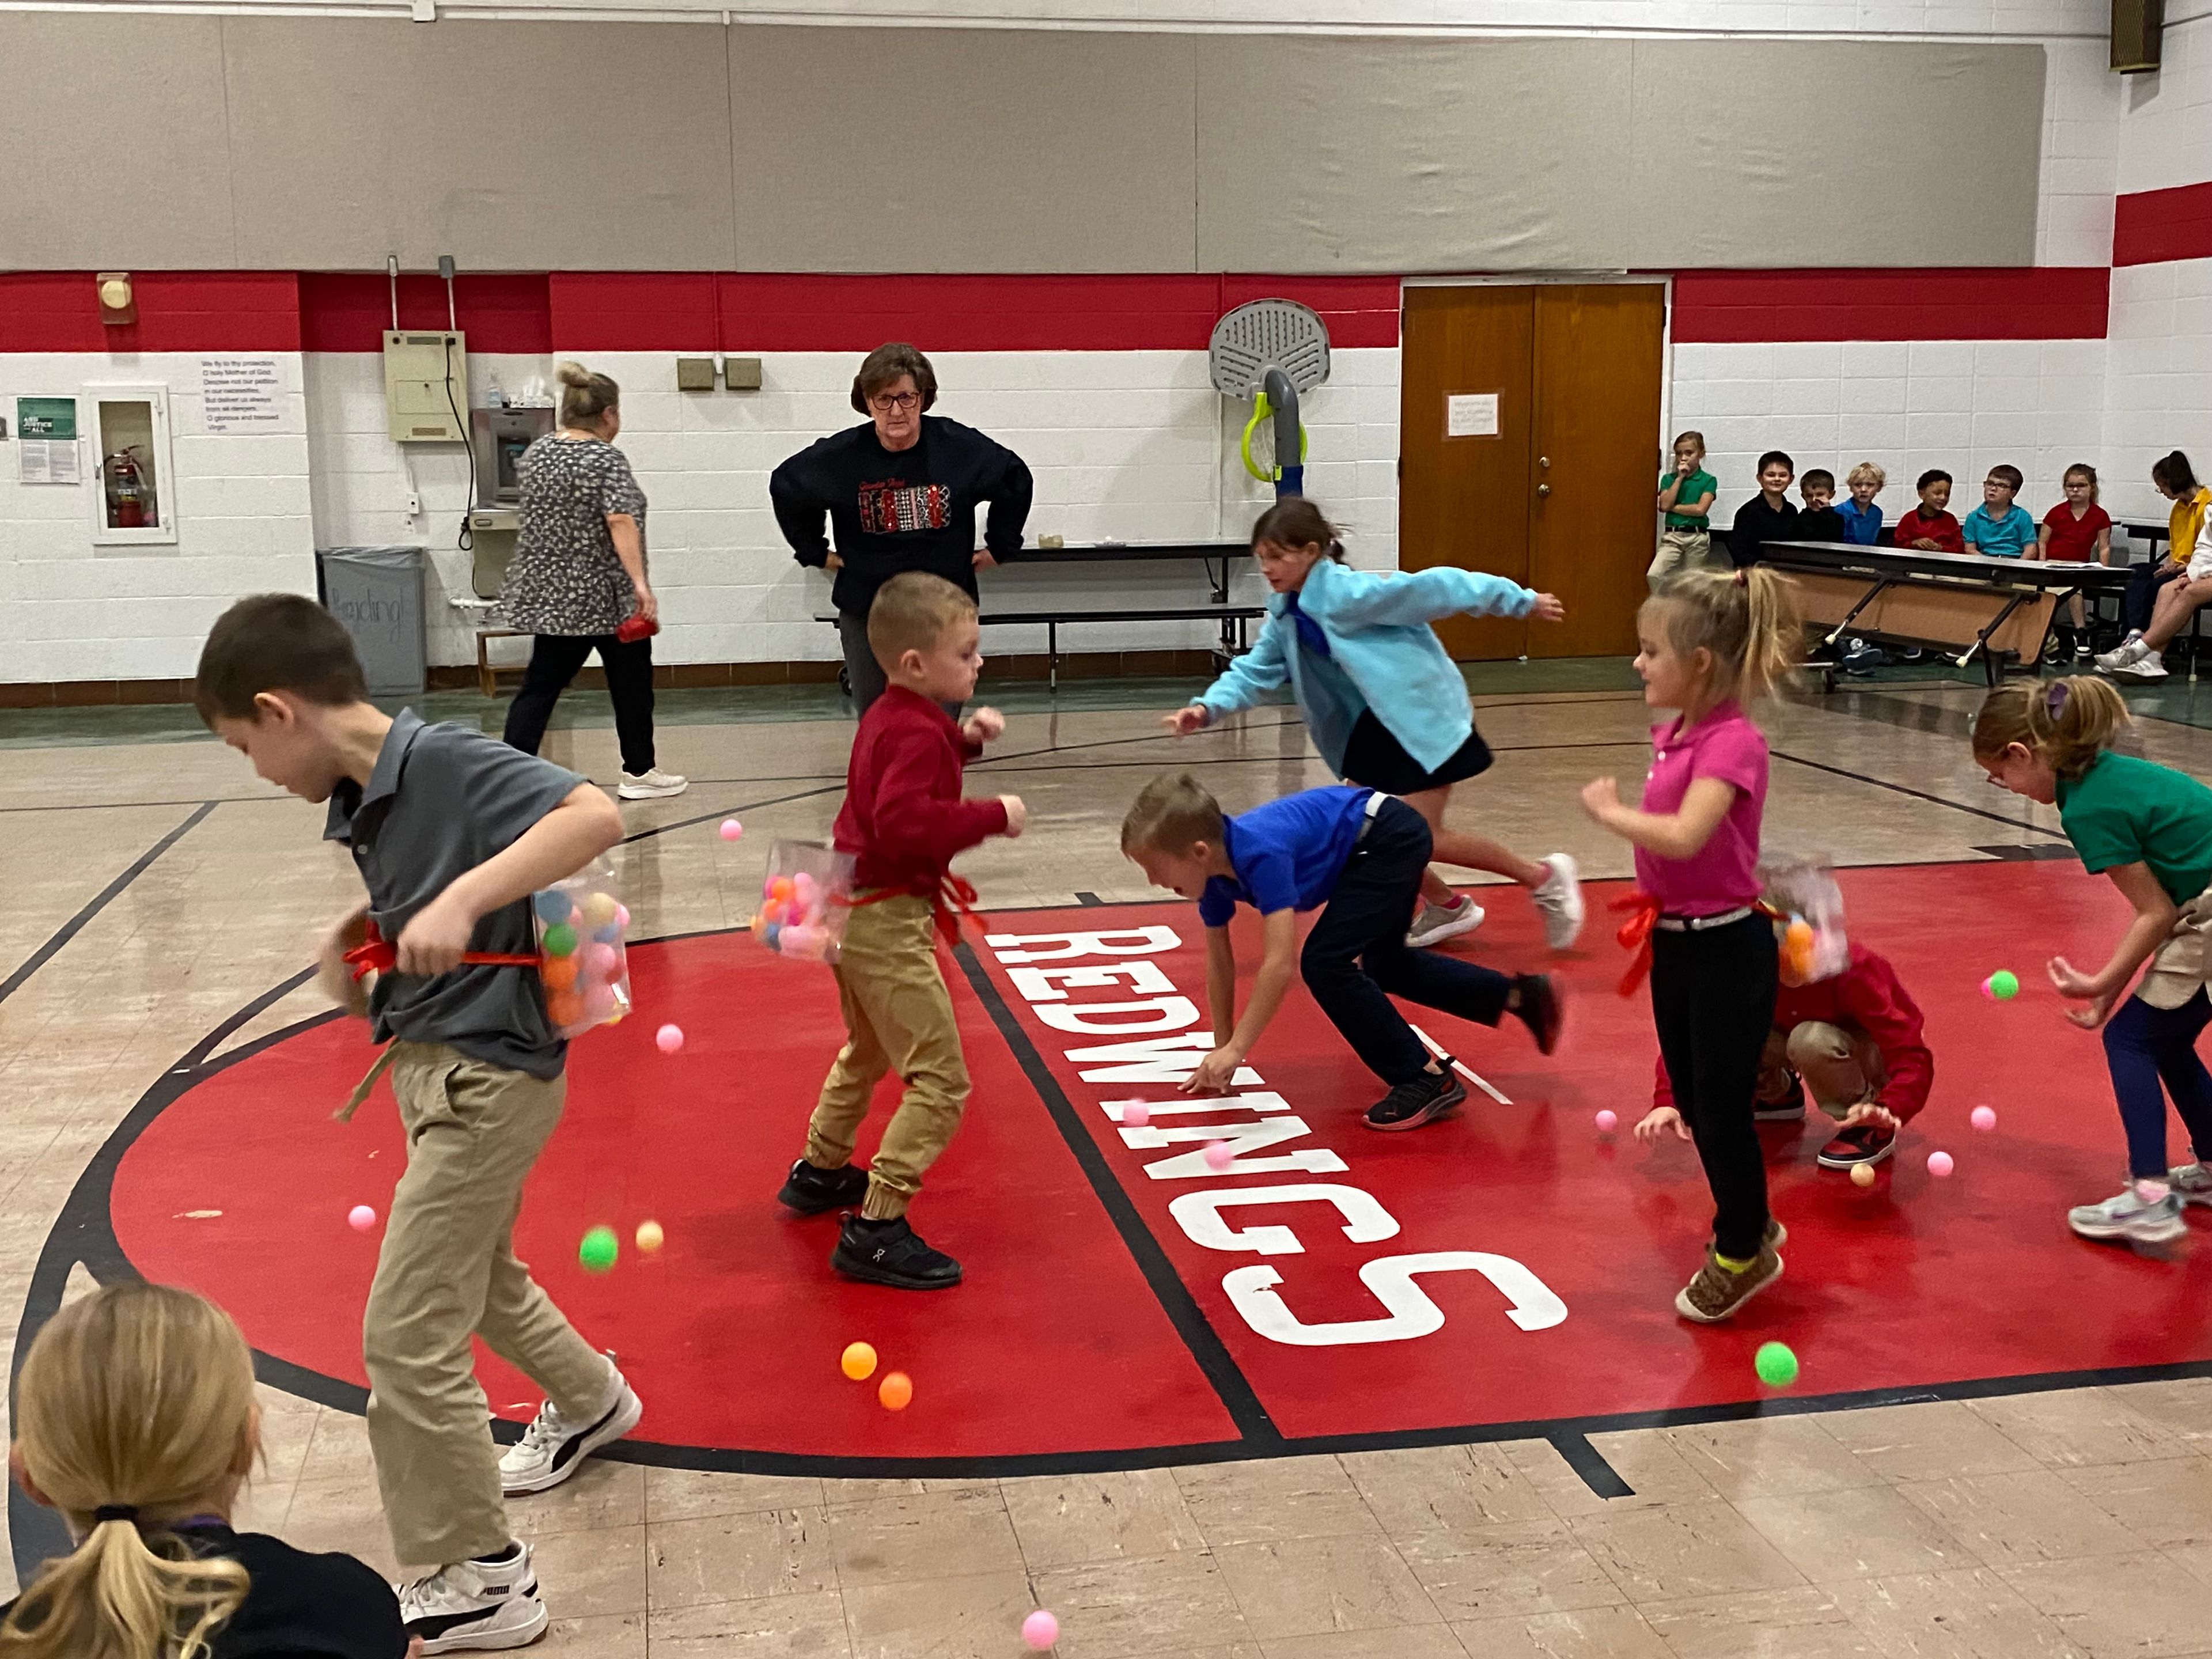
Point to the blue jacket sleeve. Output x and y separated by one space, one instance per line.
1264 668
1363 599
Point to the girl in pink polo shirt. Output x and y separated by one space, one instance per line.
1707 642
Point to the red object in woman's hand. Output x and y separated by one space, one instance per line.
635 627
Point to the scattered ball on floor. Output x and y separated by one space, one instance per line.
1983 1118
1939 1165
2004 985
895 1390
1861 1174
360 1218
1217 1154
1137 1113
599 1250
1608 1122
1776 1366
731 829
858 1361
668 1038
649 1236
1040 1630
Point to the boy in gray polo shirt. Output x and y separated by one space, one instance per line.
451 832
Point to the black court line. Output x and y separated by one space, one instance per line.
106 896
1917 794
1586 1461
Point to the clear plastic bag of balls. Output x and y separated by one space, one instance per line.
1811 940
582 961
806 897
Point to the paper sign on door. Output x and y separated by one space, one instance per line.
1471 414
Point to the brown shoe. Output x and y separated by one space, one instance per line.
1715 1294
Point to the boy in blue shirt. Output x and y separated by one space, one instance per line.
1997 529
1861 517
1357 856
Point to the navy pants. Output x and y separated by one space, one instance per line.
1356 957
1712 999
2146 1046
2141 597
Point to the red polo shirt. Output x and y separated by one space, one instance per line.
904 820
1942 529
2075 539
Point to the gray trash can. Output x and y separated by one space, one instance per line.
377 593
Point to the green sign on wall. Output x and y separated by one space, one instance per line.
45 417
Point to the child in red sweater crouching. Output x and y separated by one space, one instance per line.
1854 1040
903 821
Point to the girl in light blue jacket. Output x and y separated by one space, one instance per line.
1384 704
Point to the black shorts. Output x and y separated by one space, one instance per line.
1374 758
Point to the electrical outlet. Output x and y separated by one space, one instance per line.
414 505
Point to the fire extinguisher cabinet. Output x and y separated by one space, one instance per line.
377 593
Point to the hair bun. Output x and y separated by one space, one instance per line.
573 374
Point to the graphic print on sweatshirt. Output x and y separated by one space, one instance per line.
894 505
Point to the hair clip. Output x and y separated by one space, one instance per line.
108 1512
1743 576
2055 699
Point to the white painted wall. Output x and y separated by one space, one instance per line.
72 610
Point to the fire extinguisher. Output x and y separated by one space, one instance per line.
127 493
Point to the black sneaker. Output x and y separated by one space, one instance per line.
1862 1144
891 1252
1425 1099
1541 1010
1859 657
810 1189
1790 1109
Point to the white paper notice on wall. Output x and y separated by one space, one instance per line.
47 460
241 394
1471 414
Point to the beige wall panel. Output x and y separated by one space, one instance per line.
113 153
1751 153
509 145
1319 154
963 150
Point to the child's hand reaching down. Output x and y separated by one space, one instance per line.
984 725
1018 816
1657 1121
1547 608
1192 717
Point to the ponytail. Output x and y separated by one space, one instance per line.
585 396
2175 471
2069 722
1294 521
1747 621
133 1405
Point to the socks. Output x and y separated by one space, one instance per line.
499 1558
2150 1191
1731 1263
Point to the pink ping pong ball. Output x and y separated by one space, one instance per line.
1939 1165
360 1218
731 829
1983 1118
1217 1154
1608 1123
668 1038
1136 1112
1040 1630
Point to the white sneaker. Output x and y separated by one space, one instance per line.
1438 922
2191 1183
552 1448
652 785
1559 898
475 1606
2131 1217
2126 651
2149 666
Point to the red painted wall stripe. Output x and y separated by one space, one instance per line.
2043 302
177 311
2153 227
349 311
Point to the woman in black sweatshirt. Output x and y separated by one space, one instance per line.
901 492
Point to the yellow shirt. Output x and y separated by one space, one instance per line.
2183 524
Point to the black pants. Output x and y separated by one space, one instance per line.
554 660
1356 958
863 675
1712 999
2143 583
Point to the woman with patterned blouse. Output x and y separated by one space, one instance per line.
578 574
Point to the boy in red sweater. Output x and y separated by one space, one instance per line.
1854 1039
903 821
1930 527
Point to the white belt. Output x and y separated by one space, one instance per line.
1701 923
1374 804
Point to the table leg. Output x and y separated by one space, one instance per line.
1052 656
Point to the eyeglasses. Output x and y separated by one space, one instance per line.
902 401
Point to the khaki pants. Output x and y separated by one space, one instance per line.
898 1017
1840 1067
1679 550
446 1273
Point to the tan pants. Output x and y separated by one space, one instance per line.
447 1273
1679 550
1840 1067
898 1017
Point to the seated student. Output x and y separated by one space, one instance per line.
1357 856
2076 532
1769 516
1999 528
2176 480
1818 520
135 1418
1928 528
1861 517
2144 659
1856 1040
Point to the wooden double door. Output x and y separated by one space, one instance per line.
1529 444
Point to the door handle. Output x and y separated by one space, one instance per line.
1543 461
1543 489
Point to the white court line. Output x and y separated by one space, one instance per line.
1473 1077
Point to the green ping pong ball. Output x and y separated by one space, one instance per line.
560 939
598 1249
1776 1366
2004 985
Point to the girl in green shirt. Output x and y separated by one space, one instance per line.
2150 828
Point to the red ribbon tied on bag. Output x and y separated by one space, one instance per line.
377 955
1635 936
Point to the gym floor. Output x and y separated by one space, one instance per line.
2000 1445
